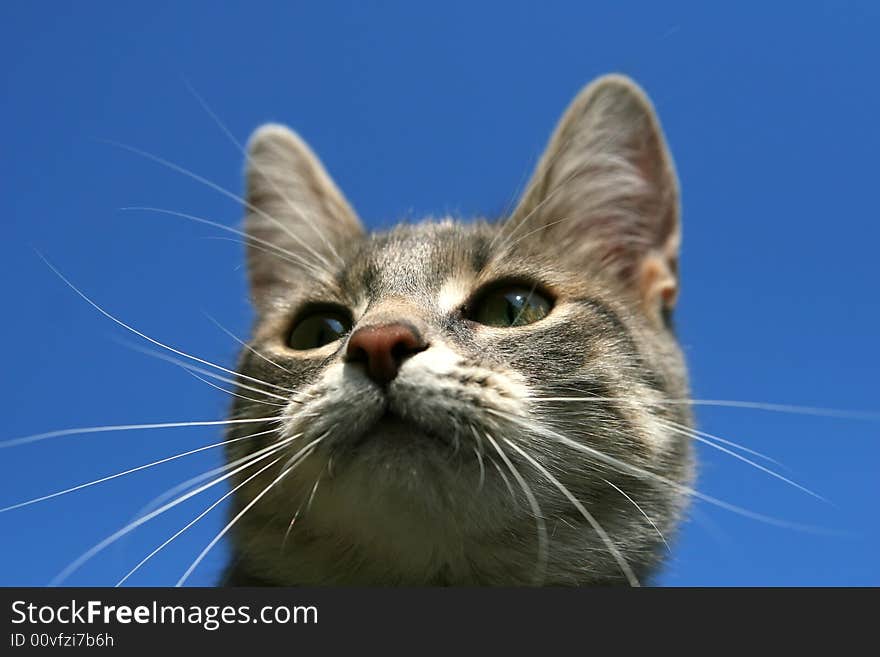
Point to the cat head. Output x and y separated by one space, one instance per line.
466 403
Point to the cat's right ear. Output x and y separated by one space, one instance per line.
605 193
296 221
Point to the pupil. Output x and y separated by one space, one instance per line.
515 303
329 330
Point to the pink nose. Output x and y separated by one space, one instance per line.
382 349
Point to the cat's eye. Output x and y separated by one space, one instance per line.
512 305
318 328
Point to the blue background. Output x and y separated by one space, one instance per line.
771 112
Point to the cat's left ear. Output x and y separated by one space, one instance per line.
605 193
296 220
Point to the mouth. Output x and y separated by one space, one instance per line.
392 429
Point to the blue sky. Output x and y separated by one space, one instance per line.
770 110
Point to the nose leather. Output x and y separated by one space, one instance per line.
382 349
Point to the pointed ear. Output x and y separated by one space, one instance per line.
605 192
297 219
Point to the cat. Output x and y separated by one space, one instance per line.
465 403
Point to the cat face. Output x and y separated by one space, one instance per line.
466 403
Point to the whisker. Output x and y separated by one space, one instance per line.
249 240
238 199
295 517
230 392
788 408
246 345
171 492
482 469
760 406
640 510
612 548
99 547
308 449
194 521
696 435
724 441
126 472
192 368
290 527
622 466
540 525
312 495
320 234
143 335
129 427
505 479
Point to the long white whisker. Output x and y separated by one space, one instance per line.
290 527
505 479
788 408
193 368
246 345
300 507
312 495
696 435
640 510
730 443
622 466
249 240
146 466
171 492
540 525
221 190
138 333
247 508
248 243
195 520
760 406
251 162
230 392
128 427
94 550
612 548
482 468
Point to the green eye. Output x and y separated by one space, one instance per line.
318 328
511 306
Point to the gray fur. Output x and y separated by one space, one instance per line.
421 502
